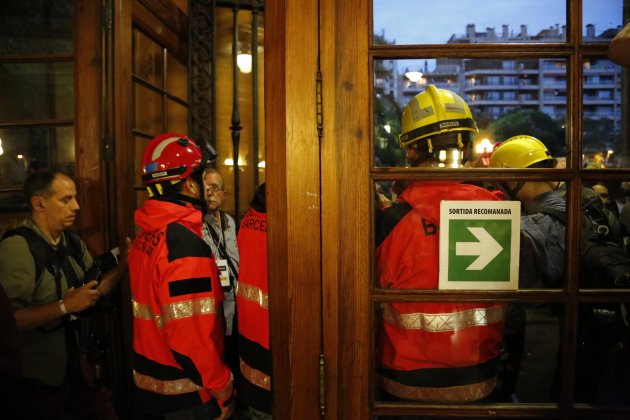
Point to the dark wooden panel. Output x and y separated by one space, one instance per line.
346 203
293 206
153 26
88 125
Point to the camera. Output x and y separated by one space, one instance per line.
102 264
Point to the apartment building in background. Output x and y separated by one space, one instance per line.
496 87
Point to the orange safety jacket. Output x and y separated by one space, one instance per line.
252 308
431 351
177 317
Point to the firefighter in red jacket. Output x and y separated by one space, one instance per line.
251 302
443 352
176 294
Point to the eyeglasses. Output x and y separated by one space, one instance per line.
213 188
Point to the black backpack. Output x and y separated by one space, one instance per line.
53 260
604 263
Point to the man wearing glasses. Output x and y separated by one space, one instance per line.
219 231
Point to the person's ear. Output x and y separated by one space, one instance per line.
191 185
37 202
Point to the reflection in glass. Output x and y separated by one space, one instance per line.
36 27
176 117
26 149
603 354
148 63
148 109
506 98
46 91
176 77
602 142
450 352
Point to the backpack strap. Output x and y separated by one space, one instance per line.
46 257
43 255
386 220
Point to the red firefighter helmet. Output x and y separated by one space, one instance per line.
171 157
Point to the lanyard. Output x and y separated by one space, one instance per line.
221 247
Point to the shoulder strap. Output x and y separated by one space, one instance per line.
221 247
73 242
46 257
41 251
386 220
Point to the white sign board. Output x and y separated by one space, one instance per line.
479 245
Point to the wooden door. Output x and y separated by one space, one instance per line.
318 207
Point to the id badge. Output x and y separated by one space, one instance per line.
224 274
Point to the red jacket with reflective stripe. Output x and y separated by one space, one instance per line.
251 300
440 335
178 324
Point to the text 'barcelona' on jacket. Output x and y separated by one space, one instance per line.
253 308
252 294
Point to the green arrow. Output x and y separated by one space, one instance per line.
486 249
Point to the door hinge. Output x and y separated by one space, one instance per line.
322 385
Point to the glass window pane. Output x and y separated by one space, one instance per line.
26 149
602 19
148 110
140 144
176 78
455 352
603 145
177 117
605 235
45 91
36 27
148 59
408 228
507 97
603 355
468 21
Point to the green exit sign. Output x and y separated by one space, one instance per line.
479 245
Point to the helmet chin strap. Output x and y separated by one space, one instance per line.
511 192
194 201
200 201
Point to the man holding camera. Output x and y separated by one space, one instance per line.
43 268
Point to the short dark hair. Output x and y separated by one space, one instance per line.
40 183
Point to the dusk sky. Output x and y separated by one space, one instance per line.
433 22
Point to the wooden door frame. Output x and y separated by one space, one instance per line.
346 221
90 164
293 203
318 247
